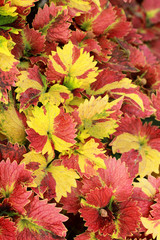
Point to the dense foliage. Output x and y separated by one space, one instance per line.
79 120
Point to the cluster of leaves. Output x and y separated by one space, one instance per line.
79 120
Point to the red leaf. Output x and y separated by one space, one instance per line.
129 217
121 26
12 180
7 79
117 178
44 15
37 141
64 127
132 159
29 97
104 20
31 37
72 202
8 229
59 30
43 221
156 105
14 152
106 76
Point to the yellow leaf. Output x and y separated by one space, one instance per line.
146 187
89 152
11 125
152 226
150 161
90 108
7 10
103 129
125 142
23 3
80 5
24 82
65 179
42 122
6 62
6 58
54 95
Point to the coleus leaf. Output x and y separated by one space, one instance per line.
105 215
71 203
155 101
31 89
13 152
89 235
152 226
11 124
42 221
95 116
53 128
30 38
144 112
79 5
30 85
7 80
7 60
120 27
103 21
8 14
7 10
8 229
56 94
12 189
72 66
62 179
44 16
53 22
152 10
116 176
59 30
86 158
23 3
123 87
78 38
141 138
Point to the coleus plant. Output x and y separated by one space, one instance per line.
79 120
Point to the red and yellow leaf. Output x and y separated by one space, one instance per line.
44 170
72 66
42 221
55 128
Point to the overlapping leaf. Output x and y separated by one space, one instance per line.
95 116
12 189
51 179
8 229
54 129
42 221
86 158
131 134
